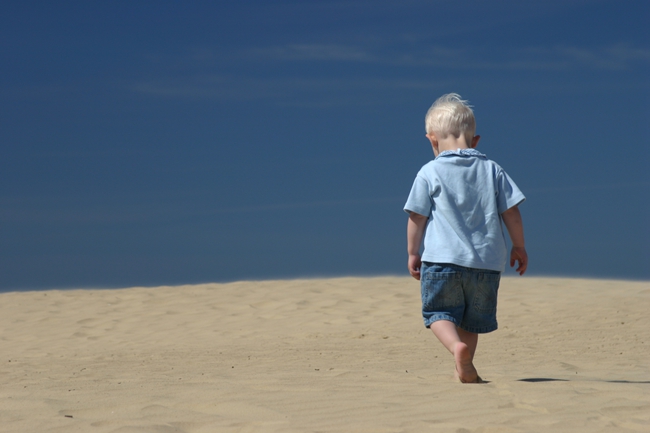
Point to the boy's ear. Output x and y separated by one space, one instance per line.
434 142
475 141
432 138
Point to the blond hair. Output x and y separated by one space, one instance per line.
451 115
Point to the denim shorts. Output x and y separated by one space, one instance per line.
465 296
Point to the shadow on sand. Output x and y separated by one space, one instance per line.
549 379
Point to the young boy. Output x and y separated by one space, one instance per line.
459 200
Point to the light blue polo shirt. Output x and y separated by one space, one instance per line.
464 194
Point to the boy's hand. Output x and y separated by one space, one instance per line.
414 232
512 220
518 254
414 265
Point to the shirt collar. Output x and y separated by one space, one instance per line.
461 152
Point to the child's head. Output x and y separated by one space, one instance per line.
451 115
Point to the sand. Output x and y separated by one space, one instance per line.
321 355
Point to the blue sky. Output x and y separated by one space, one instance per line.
148 143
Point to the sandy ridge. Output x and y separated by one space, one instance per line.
327 355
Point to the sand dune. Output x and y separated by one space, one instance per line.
323 355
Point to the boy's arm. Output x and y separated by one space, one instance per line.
414 232
515 226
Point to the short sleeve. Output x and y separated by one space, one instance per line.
508 194
419 200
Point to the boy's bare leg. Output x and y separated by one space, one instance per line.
461 344
469 338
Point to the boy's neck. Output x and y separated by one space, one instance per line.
451 142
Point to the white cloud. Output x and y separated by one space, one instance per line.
211 86
612 57
285 91
210 74
318 52
621 56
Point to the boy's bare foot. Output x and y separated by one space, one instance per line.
464 366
